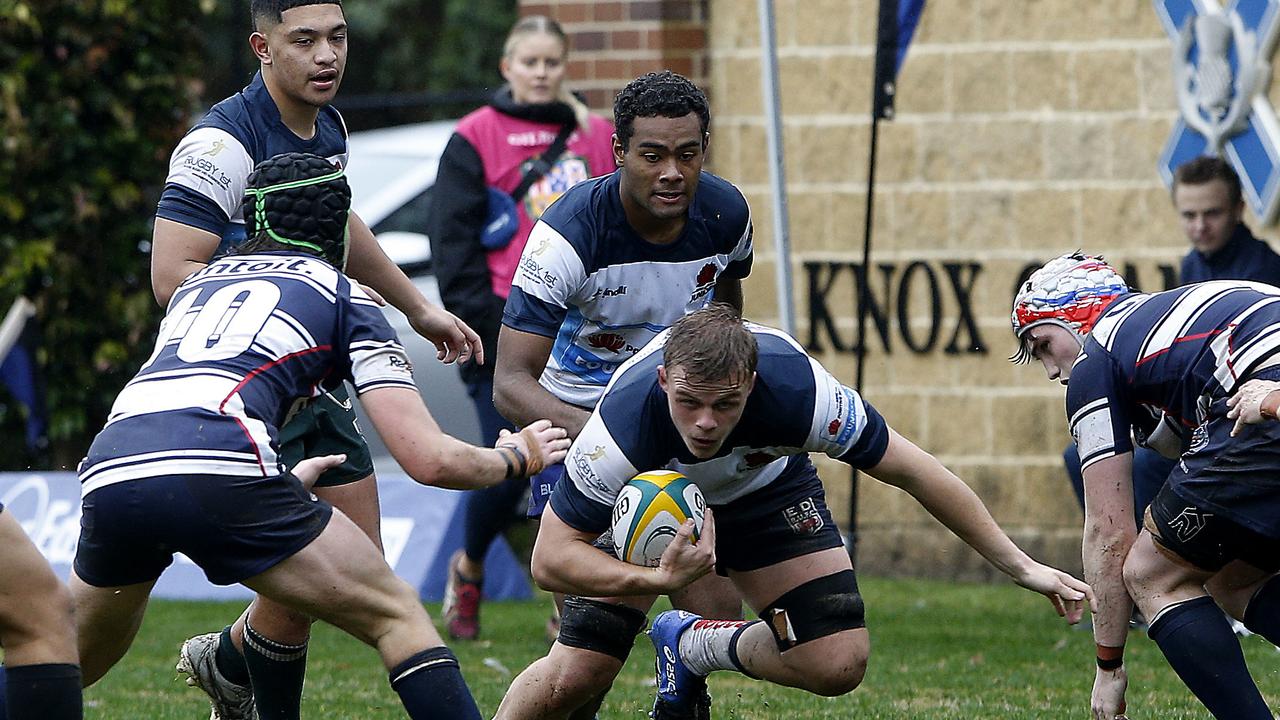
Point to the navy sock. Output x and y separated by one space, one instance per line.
488 513
430 685
1262 614
41 692
1197 640
230 661
277 671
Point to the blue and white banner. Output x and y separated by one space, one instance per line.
421 528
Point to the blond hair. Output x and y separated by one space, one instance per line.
543 25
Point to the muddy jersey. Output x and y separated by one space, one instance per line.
602 292
795 407
244 340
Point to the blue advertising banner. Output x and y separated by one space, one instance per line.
421 528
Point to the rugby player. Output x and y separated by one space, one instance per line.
301 47
1160 367
736 407
189 460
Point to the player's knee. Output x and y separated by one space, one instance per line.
606 630
836 676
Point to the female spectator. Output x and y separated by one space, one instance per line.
503 166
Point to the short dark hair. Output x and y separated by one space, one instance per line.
267 13
711 344
298 202
1208 168
657 94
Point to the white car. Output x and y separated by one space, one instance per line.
392 172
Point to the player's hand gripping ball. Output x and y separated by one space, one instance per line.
649 511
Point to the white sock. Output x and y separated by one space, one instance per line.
712 645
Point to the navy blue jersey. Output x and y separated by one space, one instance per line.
795 407
243 341
209 170
589 281
1163 358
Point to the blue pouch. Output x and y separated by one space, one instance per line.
500 221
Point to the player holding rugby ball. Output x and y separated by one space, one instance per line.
739 406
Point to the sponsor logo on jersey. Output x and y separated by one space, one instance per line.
401 363
1189 523
207 171
218 146
582 463
613 342
804 518
608 293
535 273
706 281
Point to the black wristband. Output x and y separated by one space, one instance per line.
513 470
1112 664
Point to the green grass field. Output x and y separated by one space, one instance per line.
939 650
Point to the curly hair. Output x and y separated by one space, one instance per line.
268 13
711 344
657 94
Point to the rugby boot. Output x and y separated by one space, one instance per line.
682 694
461 603
228 700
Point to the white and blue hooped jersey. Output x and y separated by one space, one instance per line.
210 168
1164 358
588 280
243 341
795 407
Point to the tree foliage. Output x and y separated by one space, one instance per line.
93 97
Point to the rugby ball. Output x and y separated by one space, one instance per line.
649 511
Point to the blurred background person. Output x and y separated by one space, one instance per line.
504 165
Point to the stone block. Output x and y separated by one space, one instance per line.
1106 80
922 219
981 82
959 425
981 219
945 22
1076 149
1155 73
897 157
742 87
1138 143
1025 426
1122 219
821 23
1046 218
923 83
1041 80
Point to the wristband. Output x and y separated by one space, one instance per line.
514 470
1269 410
1110 658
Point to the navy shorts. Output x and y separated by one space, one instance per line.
232 527
327 426
1237 478
783 520
1206 539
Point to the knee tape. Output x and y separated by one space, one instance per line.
599 626
816 609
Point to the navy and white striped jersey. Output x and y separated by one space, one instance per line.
795 407
1164 357
210 168
588 280
243 340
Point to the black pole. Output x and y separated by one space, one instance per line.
883 88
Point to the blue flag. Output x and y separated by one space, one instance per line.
898 21
908 18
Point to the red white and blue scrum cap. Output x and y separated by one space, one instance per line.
1070 291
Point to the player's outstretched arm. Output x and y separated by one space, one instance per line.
177 250
1255 401
565 561
955 505
432 457
454 339
522 356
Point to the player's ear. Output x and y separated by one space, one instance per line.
619 152
258 43
662 377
